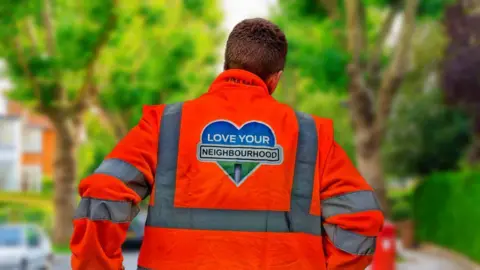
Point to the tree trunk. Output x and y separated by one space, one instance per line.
64 176
473 155
369 114
369 163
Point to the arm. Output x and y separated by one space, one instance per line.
110 197
351 215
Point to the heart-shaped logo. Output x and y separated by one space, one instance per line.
239 151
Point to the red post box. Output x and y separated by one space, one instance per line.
385 253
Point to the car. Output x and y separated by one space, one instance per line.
24 247
135 231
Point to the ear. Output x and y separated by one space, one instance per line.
273 80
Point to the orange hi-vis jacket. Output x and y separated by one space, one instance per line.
237 181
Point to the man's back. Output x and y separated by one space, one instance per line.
236 180
243 123
235 171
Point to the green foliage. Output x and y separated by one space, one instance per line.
207 11
3 215
446 211
329 105
426 8
299 92
23 38
62 249
162 50
424 136
382 3
12 11
401 200
396 195
79 39
34 215
21 213
317 43
157 51
301 9
401 211
316 52
99 144
433 8
48 185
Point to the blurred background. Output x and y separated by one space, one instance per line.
400 79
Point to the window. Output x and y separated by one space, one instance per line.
32 140
31 177
33 238
7 132
10 236
5 174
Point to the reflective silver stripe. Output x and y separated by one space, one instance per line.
303 179
115 211
164 214
127 173
350 242
350 203
163 210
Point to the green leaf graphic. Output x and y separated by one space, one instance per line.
229 168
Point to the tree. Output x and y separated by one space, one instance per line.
52 52
372 72
423 134
115 55
461 80
371 98
161 52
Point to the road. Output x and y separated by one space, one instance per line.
62 262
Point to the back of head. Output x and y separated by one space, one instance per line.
258 46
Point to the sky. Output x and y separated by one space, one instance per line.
237 10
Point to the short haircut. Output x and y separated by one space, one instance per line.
258 46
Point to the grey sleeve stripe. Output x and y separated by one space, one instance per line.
114 211
126 172
350 242
349 203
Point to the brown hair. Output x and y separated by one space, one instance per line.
258 46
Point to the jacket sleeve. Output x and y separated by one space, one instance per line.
110 196
350 212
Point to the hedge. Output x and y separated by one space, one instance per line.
36 200
47 186
17 212
447 212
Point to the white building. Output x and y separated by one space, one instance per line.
26 146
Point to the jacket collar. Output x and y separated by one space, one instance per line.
234 78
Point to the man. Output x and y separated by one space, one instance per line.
236 180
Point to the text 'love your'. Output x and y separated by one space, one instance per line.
242 139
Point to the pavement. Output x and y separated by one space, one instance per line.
422 260
412 260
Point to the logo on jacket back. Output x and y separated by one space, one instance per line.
239 151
